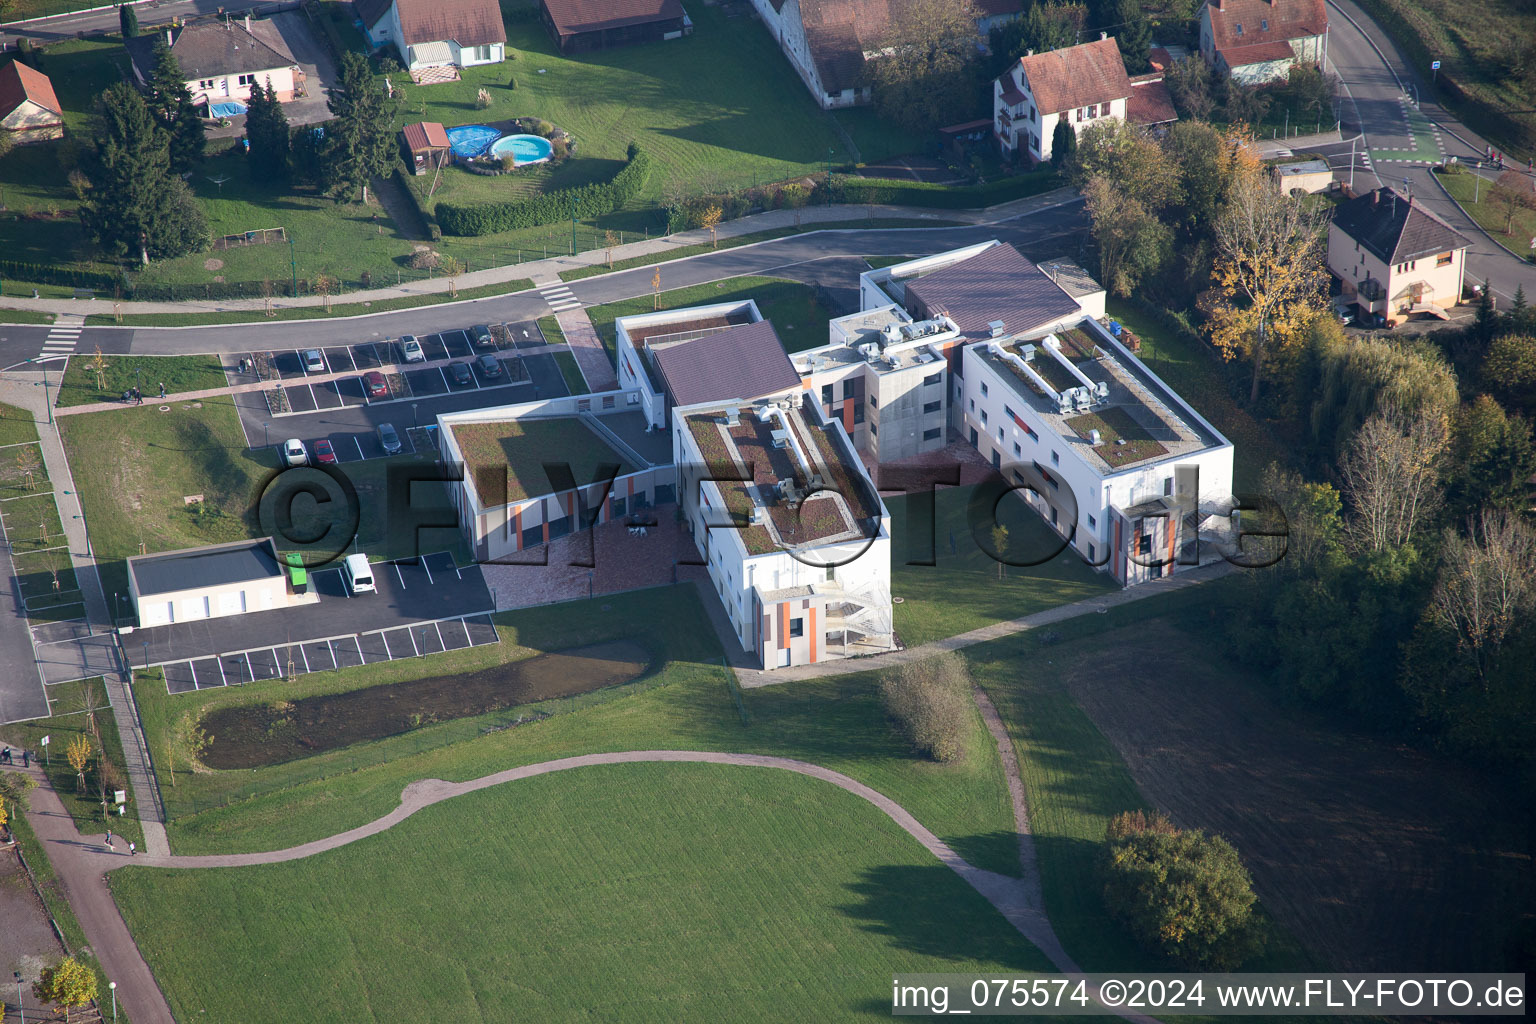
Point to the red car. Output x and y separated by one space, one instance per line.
375 384
325 455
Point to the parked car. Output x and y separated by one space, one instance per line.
481 335
461 374
325 455
314 361
294 453
389 439
490 366
358 574
410 349
375 384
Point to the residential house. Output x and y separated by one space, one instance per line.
1080 84
436 33
28 107
221 60
1258 41
1394 257
829 42
581 25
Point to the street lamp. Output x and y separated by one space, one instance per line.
264 427
39 361
113 986
146 654
19 1008
83 524
414 421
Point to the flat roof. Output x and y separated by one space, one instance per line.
749 447
505 458
742 362
1071 277
995 284
243 561
1141 420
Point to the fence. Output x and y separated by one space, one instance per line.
260 236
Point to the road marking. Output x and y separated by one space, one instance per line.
249 671
397 574
359 446
441 645
430 581
412 634
357 641
222 674
560 298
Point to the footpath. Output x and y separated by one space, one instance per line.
806 220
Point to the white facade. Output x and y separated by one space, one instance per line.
789 31
1019 123
387 30
1397 291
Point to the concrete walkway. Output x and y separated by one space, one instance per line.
750 678
82 864
547 270
588 349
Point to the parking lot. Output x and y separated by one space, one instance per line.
421 607
346 411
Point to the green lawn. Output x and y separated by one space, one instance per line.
16 425
571 371
1490 216
550 327
638 892
684 704
962 591
32 523
25 316
798 315
120 373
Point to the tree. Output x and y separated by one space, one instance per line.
1487 582
1486 323
359 143
266 128
186 743
930 703
1189 85
7 141
28 463
1206 160
1312 89
1391 476
69 983
1132 242
927 72
171 104
1131 158
128 20
14 787
1314 525
1492 458
1245 103
1509 370
1134 37
1511 193
709 218
1268 271
98 365
1063 144
133 204
79 754
1000 546
1183 894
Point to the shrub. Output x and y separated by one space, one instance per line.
882 191
930 703
512 82
558 149
424 259
589 201
1183 894
544 128
508 162
482 98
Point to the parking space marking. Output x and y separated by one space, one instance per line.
440 645
359 445
430 580
223 676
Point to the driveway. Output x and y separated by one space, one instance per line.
316 63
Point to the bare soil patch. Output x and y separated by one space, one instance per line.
265 734
27 941
1376 857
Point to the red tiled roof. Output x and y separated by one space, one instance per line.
993 8
1011 94
425 135
1257 53
574 16
1150 102
19 83
1286 19
1160 58
466 22
1076 76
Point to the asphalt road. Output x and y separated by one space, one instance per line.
150 12
818 258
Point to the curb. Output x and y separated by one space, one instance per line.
1524 261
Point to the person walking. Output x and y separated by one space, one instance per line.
162 390
109 837
131 848
26 758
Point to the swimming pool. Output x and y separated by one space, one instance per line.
525 149
470 140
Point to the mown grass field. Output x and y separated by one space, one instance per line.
83 385
684 704
634 892
16 425
798 315
1491 216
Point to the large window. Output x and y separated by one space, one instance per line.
932 434
797 627
247 79
933 378
929 407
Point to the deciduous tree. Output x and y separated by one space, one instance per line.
1131 158
1509 370
1487 582
1391 476
1190 86
1268 272
69 983
930 702
927 73
79 754
1132 242
359 143
1511 193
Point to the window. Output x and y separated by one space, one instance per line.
1090 552
933 378
206 83
831 573
929 407
1444 259
873 429
858 414
999 435
1167 485
983 417
983 389
874 402
931 434
848 388
997 459
973 405
482 53
826 394
1017 451
1239 30
797 627
1008 411
1093 524
247 79
1055 459
1263 24
1030 431
608 402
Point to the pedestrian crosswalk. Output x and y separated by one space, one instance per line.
560 297
63 337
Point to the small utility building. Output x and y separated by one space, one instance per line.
427 143
581 25
205 583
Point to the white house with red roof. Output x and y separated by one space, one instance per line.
1081 84
28 106
1258 41
436 33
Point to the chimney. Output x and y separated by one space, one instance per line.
1375 197
167 37
1029 53
247 22
1103 35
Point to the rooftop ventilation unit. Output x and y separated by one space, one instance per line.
780 438
765 412
1101 389
1029 353
1094 438
732 417
869 350
998 328
1029 372
891 334
758 514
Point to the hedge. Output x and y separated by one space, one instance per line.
403 175
584 202
888 192
42 273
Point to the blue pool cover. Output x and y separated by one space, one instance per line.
232 108
468 140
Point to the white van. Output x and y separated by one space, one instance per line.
358 574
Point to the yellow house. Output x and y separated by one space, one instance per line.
1395 258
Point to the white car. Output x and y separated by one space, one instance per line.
314 361
294 453
410 348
